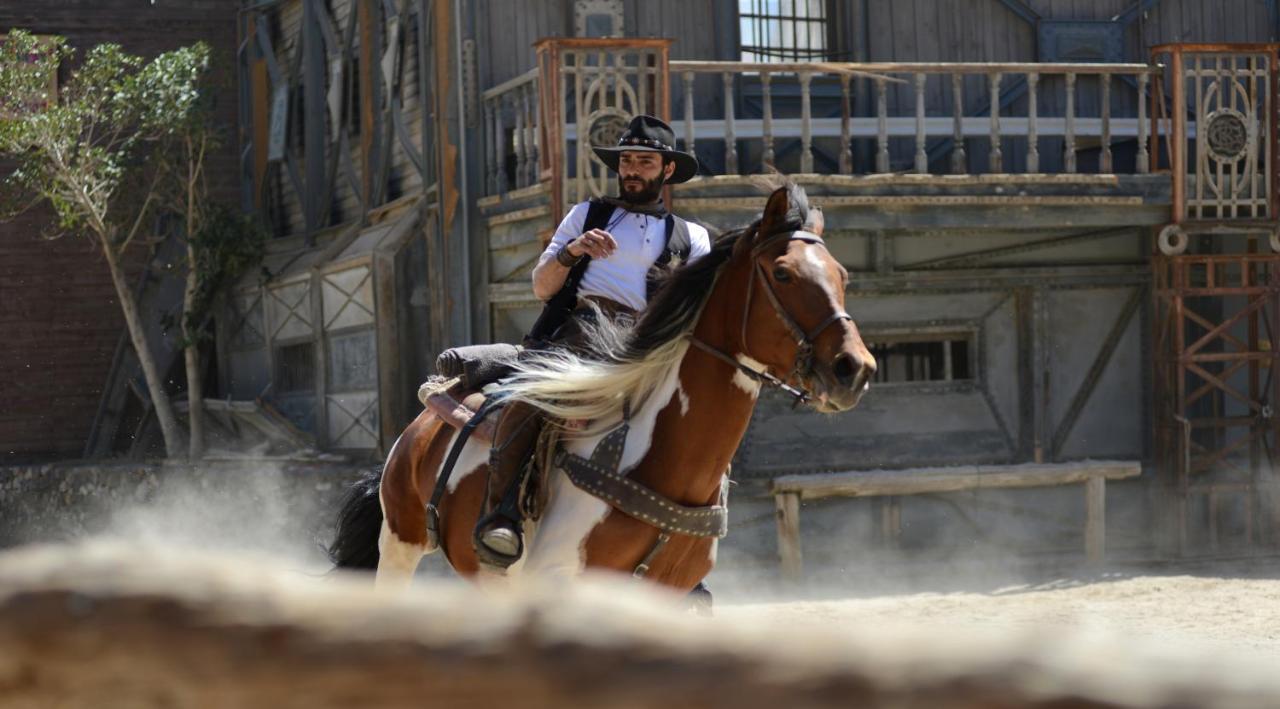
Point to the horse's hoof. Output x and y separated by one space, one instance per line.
498 547
699 601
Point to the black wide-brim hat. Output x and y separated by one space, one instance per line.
651 135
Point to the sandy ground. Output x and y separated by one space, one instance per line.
1231 608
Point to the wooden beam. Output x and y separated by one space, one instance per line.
953 479
1095 529
788 516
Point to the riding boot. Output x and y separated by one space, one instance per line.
498 538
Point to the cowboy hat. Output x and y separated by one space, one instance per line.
650 135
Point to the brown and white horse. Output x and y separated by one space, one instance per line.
767 299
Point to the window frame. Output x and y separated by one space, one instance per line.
835 34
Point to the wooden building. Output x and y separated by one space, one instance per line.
994 175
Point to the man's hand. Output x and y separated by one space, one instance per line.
597 243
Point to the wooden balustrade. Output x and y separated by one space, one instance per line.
796 108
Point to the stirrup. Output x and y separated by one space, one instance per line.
498 543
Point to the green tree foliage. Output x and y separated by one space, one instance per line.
122 142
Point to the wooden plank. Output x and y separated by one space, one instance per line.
970 477
788 516
1095 529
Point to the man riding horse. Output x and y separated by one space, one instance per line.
604 258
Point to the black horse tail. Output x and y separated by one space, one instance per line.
359 525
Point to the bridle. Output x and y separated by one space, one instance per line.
802 366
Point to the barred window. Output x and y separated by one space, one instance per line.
926 357
784 30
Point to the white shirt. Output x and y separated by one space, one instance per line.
641 240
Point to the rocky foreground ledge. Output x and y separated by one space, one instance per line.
108 626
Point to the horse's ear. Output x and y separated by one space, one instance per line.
816 221
775 212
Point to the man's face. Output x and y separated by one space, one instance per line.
641 174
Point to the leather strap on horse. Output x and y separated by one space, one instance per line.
599 477
442 478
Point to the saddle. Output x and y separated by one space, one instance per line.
454 394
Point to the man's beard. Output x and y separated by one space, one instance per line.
652 190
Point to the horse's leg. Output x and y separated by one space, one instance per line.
403 539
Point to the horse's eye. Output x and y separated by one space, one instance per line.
781 275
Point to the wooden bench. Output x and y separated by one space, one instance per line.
789 490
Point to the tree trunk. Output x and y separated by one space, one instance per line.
191 353
159 398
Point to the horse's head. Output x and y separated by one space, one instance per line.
794 321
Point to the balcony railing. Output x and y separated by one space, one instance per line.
925 84
740 117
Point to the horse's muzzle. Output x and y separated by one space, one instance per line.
841 384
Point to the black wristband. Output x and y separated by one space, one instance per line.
564 258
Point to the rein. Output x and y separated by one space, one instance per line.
802 366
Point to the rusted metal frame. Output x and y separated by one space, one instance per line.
1199 371
552 106
1095 371
1269 125
1220 330
1214 457
1206 324
1177 146
314 142
987 254
1206 388
1228 357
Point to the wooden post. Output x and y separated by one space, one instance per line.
788 515
730 138
996 156
922 160
882 127
688 113
890 522
1143 160
1095 530
766 83
1105 159
806 125
1033 138
958 159
846 154
1069 145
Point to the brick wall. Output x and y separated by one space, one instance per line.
59 319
